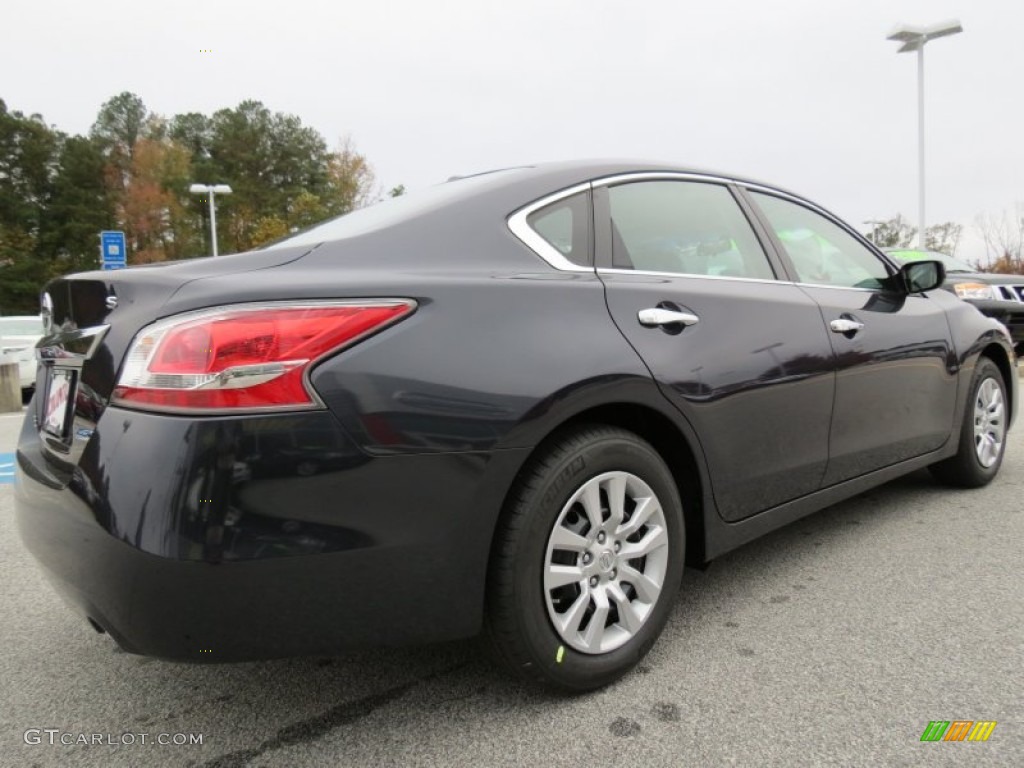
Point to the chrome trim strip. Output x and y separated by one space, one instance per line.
71 348
649 273
840 287
529 237
667 175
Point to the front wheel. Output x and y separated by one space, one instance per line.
983 433
587 560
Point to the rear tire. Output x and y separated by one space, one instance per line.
587 560
983 433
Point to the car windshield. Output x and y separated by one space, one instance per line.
951 264
21 326
393 210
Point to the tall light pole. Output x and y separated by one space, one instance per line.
913 39
211 190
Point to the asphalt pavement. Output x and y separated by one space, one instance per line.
834 641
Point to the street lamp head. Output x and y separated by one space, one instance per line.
905 33
944 28
914 38
205 189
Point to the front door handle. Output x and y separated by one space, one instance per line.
659 316
846 325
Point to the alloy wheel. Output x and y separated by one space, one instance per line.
605 564
989 422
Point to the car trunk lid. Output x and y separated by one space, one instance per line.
90 320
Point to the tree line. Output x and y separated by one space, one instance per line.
1003 235
132 172
897 232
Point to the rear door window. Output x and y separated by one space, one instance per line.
683 227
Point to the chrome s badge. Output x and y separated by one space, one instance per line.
111 301
46 313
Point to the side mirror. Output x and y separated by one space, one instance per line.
918 276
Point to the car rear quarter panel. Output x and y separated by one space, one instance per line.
499 346
484 364
431 420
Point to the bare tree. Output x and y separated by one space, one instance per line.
1003 234
896 232
943 238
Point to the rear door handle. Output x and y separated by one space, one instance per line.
846 325
659 316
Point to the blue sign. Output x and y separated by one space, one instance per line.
6 468
113 250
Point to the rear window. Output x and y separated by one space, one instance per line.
394 210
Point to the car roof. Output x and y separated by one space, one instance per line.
578 171
488 197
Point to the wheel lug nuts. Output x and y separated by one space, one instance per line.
593 581
600 538
587 557
613 574
618 545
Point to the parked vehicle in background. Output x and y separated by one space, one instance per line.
996 295
18 337
516 402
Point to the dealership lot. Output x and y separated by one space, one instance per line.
831 642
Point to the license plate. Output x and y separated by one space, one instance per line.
57 401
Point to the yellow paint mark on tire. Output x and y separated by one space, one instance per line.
560 654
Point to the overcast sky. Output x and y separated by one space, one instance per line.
807 94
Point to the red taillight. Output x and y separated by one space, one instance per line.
245 356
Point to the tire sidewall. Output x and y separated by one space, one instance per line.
575 669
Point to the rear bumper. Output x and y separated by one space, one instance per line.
186 540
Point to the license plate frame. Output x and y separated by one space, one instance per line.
60 387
